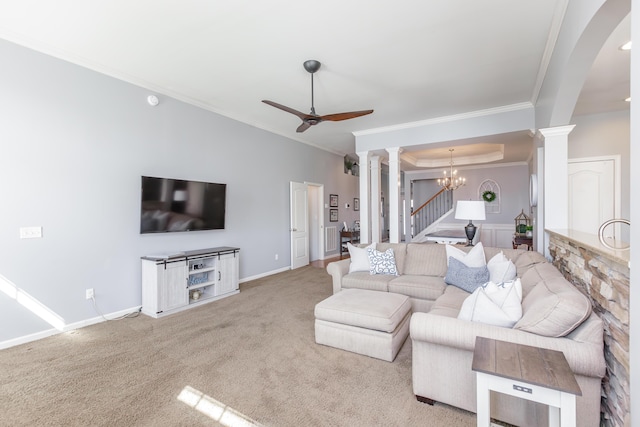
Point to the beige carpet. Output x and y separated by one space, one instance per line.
249 359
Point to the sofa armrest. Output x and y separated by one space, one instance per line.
585 358
337 270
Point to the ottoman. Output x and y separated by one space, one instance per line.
371 323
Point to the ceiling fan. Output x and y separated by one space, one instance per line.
312 118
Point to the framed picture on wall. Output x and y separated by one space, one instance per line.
333 215
356 204
333 200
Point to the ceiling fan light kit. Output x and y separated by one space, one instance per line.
311 119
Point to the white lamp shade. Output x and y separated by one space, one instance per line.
470 210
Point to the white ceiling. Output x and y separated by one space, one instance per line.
409 60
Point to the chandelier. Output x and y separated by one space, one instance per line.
451 182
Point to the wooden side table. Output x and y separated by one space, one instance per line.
532 373
522 240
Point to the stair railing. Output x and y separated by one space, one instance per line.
425 215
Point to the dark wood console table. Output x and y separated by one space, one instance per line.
352 237
522 240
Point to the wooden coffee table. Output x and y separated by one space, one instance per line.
527 372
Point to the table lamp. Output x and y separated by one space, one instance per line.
471 210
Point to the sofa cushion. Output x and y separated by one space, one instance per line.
553 308
399 253
473 258
421 287
425 259
364 280
449 303
494 304
536 274
526 260
465 277
364 309
359 257
382 262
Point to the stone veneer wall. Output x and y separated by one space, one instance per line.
606 282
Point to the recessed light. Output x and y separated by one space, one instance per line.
626 46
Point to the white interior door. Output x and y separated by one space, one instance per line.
299 225
593 194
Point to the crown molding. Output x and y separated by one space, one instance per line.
445 119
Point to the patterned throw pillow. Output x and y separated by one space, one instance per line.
466 278
382 262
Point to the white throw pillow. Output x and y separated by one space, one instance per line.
499 305
359 257
474 258
501 269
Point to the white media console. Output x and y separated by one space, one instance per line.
175 282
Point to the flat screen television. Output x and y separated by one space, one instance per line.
178 205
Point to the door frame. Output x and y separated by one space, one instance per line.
316 238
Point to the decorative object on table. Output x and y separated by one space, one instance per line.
489 196
333 200
312 118
355 169
489 192
348 165
356 204
333 215
470 210
522 222
451 182
356 225
529 232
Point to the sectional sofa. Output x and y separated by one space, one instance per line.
555 315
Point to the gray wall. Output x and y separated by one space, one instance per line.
604 135
513 180
74 145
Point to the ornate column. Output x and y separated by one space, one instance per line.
555 164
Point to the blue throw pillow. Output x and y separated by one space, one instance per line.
382 262
466 278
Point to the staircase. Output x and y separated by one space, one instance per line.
426 217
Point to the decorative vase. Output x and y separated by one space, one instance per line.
529 233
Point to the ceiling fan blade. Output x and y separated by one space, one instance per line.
345 116
287 109
304 126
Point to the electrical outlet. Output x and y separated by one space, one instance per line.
30 232
90 293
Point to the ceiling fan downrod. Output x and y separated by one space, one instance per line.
312 66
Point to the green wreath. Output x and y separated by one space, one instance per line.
488 196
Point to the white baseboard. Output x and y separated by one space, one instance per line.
268 273
70 327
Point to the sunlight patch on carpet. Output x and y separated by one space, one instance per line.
214 409
31 304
